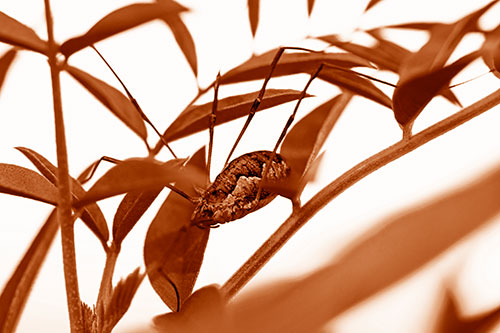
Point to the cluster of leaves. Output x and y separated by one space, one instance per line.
174 248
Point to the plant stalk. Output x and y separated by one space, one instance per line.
300 216
106 287
64 205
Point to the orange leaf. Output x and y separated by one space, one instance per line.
113 99
120 20
132 175
253 15
371 4
258 67
15 33
17 289
196 118
491 51
91 215
26 183
353 82
412 96
5 62
310 5
174 248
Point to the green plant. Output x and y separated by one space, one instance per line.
174 247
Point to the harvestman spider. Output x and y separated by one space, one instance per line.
238 190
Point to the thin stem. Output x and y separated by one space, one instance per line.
301 216
106 287
63 184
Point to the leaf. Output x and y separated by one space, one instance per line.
5 62
196 118
17 34
111 98
304 141
120 20
384 256
412 96
258 67
371 4
174 248
89 319
26 183
130 210
91 215
184 40
353 82
203 311
491 51
253 15
17 289
131 175
310 5
450 319
122 296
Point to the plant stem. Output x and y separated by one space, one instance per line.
106 287
346 180
63 184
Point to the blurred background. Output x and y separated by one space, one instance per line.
154 69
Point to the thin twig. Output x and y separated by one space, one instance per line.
349 178
63 184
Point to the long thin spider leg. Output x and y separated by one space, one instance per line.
211 123
136 105
258 100
88 174
285 130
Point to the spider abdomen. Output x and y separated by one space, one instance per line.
233 194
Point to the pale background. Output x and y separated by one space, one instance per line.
150 63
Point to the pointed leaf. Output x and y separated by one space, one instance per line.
174 248
304 141
5 62
122 296
258 67
184 40
310 6
351 81
15 33
391 252
114 100
371 4
491 51
17 289
26 183
196 118
253 15
130 210
92 215
131 175
412 96
120 20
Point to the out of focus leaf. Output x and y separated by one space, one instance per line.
395 249
450 320
441 44
26 183
131 175
196 118
5 62
122 296
120 20
91 215
174 248
203 311
17 289
351 81
113 99
304 141
412 96
310 6
15 33
184 40
414 25
258 67
253 15
371 4
491 51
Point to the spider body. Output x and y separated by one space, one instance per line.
233 194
